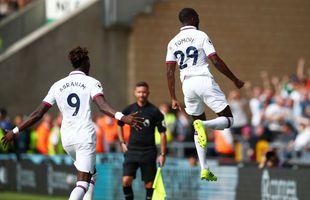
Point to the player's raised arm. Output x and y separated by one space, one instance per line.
34 117
171 84
104 107
222 67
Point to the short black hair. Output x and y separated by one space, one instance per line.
273 157
142 84
78 57
3 112
186 14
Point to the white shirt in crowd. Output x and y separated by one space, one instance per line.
237 109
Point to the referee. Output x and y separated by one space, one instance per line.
141 151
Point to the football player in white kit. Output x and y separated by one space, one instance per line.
191 49
73 95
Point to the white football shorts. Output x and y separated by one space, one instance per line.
83 155
200 91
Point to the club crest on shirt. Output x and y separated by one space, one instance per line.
146 123
163 123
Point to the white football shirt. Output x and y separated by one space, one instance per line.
73 95
190 48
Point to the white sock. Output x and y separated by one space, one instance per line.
90 191
219 123
79 191
201 153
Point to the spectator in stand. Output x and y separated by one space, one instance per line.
224 143
170 120
108 126
54 141
183 127
192 160
99 135
126 131
297 94
260 134
184 133
237 105
292 119
43 133
32 142
270 160
21 142
5 124
21 3
267 98
305 119
304 104
255 104
286 140
277 114
5 8
3 149
302 140
244 145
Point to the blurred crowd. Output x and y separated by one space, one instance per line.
7 7
272 119
269 119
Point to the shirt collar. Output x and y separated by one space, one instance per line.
143 105
77 72
187 27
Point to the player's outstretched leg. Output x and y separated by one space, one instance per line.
206 174
79 191
90 191
202 137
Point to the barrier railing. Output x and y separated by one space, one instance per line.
56 176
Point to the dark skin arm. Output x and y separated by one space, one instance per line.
171 85
163 144
104 107
221 66
34 117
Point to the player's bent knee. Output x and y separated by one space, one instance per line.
127 181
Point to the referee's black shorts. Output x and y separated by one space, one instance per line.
145 159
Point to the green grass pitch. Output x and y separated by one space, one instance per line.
23 196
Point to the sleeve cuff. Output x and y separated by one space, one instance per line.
47 104
212 54
99 94
171 62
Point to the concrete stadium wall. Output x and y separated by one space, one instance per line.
21 23
249 36
27 74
